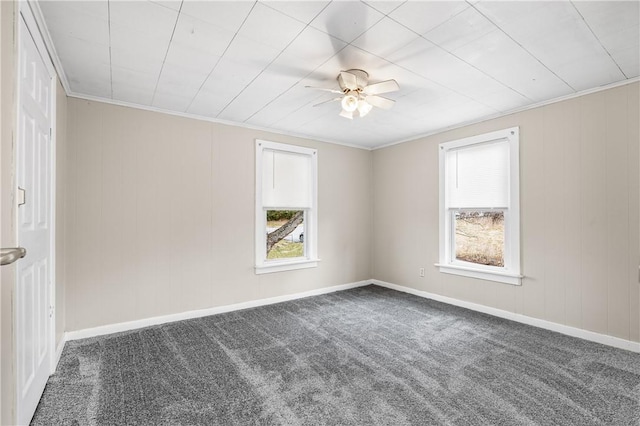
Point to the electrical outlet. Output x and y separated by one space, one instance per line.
422 272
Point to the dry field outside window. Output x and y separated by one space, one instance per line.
480 237
286 249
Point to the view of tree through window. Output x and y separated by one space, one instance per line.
479 237
285 234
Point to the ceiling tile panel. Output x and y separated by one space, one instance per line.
205 104
170 4
228 15
408 80
384 7
73 10
423 16
80 53
190 59
462 29
178 80
299 118
502 100
303 11
133 86
346 20
385 37
223 84
270 27
615 23
252 53
265 88
628 59
556 34
432 62
91 22
94 85
132 43
133 95
171 101
442 117
498 56
350 57
85 63
494 53
201 36
299 59
290 101
135 61
151 19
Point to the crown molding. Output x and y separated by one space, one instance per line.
210 119
513 111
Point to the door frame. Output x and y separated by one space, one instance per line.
26 14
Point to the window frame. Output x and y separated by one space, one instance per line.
510 273
310 260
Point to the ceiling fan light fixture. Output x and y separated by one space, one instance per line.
364 107
349 103
358 97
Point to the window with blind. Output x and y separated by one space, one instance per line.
479 207
286 207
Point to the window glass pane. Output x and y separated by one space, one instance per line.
286 179
479 237
478 176
285 234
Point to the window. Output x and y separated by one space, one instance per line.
479 207
286 207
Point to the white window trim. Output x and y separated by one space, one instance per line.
510 274
262 265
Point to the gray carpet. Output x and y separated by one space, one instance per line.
367 356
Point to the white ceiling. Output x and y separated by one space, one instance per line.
247 62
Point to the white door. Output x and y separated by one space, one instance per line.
33 175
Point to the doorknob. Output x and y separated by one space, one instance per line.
10 255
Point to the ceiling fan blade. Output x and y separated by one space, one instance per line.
346 114
326 102
382 87
349 80
380 102
324 89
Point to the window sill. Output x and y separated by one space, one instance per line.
502 277
290 265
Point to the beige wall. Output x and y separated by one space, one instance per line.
7 226
61 189
579 214
160 216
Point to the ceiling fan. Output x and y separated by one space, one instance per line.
357 96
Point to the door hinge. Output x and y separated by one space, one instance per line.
50 311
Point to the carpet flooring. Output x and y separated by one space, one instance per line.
366 356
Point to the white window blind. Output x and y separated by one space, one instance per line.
478 176
286 179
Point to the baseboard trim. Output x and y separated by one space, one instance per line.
58 353
146 322
604 339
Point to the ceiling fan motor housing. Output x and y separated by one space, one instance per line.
362 79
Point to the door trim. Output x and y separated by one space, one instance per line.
26 14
